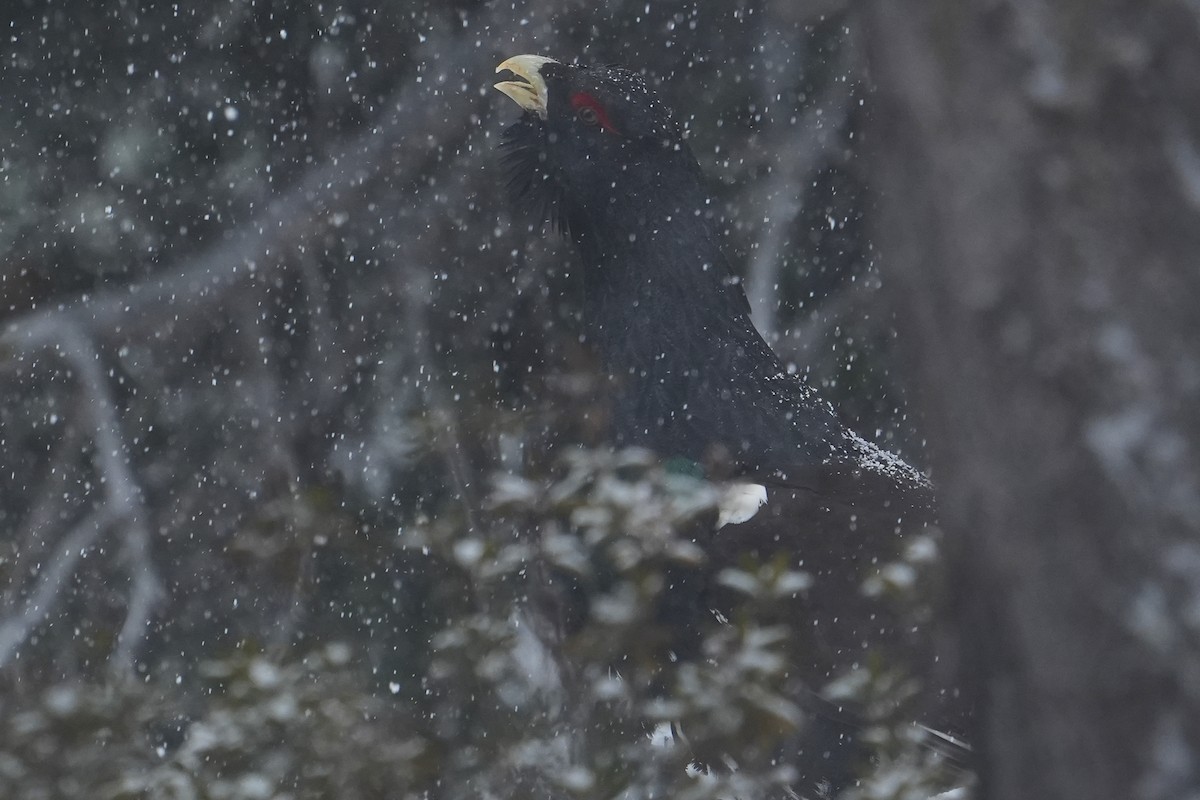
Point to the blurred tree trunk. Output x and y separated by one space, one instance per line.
1038 166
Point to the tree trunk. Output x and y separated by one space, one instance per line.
1038 168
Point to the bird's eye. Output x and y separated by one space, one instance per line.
590 111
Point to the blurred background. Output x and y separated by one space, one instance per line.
290 411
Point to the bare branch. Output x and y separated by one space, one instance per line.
175 310
802 146
15 629
122 502
344 186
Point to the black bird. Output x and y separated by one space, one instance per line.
599 155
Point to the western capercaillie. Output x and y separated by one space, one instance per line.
599 155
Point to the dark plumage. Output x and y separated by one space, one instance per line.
599 155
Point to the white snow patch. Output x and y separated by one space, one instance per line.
662 735
872 458
534 659
468 552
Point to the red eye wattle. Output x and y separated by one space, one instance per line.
588 109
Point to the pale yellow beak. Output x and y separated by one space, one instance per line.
529 92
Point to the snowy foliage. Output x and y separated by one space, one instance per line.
558 654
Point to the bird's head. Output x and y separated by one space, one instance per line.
590 138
